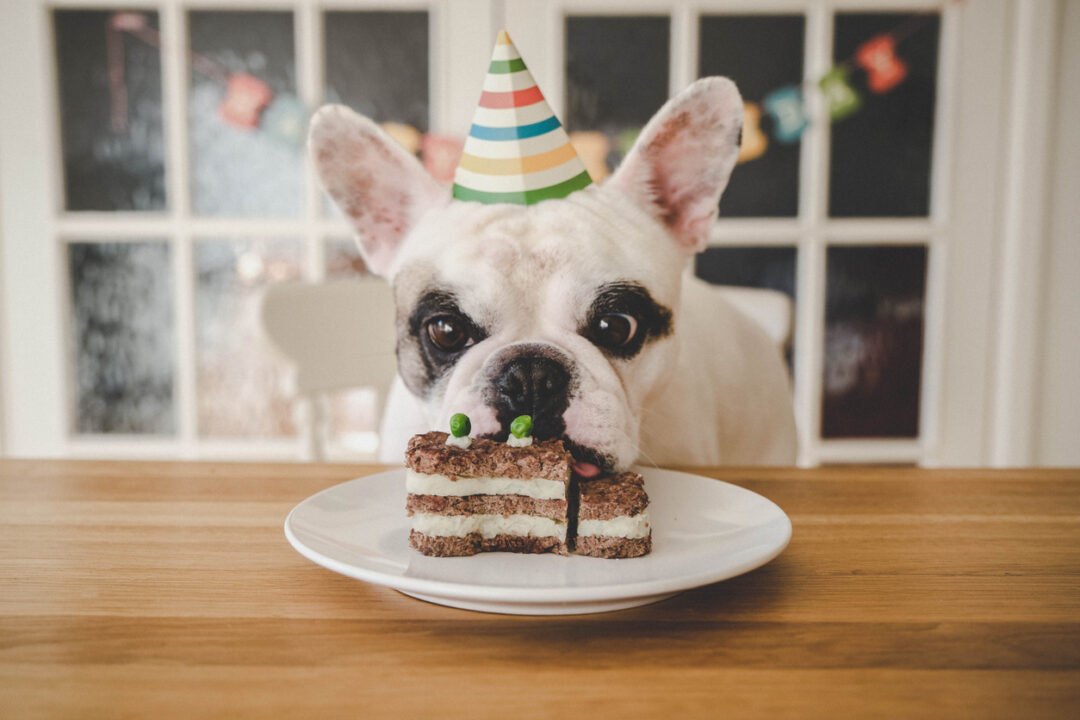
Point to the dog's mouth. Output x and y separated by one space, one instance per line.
588 463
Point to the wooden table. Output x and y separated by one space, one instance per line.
168 590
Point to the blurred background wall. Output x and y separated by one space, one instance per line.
908 178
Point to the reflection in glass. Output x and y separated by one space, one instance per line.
616 78
110 123
761 53
122 337
377 64
246 165
241 386
873 341
880 156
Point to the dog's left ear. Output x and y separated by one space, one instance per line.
380 187
681 162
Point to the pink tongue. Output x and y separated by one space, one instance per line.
586 470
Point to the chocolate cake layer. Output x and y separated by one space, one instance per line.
612 496
486 505
544 459
603 546
439 546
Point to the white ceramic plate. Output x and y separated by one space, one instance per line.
704 530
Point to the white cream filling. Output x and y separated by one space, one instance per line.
514 441
541 489
462 442
624 527
488 526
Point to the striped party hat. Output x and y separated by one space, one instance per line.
517 151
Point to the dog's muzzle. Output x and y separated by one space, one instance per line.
532 379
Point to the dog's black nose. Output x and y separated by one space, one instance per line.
533 385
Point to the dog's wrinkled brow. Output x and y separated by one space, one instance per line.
631 298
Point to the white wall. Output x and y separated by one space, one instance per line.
1057 432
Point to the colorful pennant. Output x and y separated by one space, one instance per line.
840 98
441 155
754 141
245 98
517 150
884 70
786 107
593 147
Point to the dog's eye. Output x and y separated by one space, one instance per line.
614 330
448 333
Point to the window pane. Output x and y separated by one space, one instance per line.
880 156
343 258
377 63
616 78
873 341
242 163
761 53
110 122
122 337
761 267
758 267
241 385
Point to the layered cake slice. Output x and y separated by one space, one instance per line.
471 495
612 520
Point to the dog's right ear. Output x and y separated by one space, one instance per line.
380 187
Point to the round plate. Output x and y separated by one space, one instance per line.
704 530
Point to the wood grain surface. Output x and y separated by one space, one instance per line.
168 590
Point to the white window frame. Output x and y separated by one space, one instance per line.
38 391
990 153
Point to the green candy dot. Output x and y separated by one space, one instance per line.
460 425
521 426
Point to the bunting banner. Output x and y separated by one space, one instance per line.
512 105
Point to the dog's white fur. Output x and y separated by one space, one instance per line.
713 391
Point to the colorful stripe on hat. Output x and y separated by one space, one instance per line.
517 150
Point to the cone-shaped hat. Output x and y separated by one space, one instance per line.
517 151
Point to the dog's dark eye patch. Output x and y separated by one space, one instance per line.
627 298
439 306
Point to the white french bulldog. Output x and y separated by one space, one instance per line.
574 311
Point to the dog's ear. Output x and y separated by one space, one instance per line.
682 159
379 186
